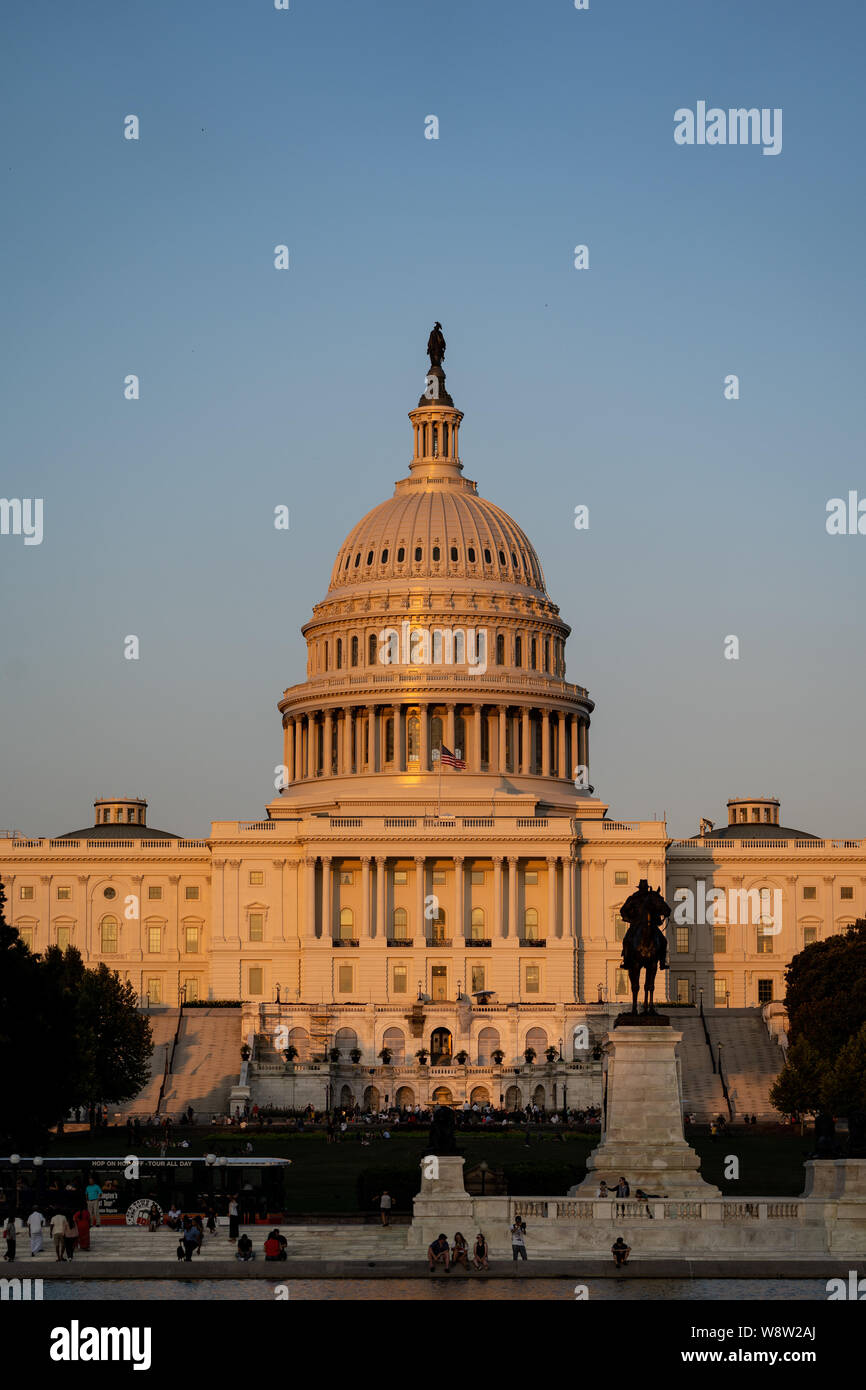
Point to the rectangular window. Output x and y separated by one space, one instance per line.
477 876
64 937
530 876
26 892
764 945
154 892
190 937
26 934
439 975
154 940
191 892
109 936
682 940
720 991
620 876
438 875
257 876
765 991
154 990
347 878
683 991
256 979
810 894
191 989
720 940
257 926
532 980
64 894
810 936
621 985
344 979
847 892
400 876
477 978
620 928
401 979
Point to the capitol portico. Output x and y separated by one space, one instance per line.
389 902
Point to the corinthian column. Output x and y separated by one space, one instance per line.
476 739
327 756
327 908
512 897
420 922
365 897
545 743
459 910
551 897
498 925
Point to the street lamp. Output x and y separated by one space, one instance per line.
484 1166
560 1058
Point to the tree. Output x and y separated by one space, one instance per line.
798 1087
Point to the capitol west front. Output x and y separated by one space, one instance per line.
386 903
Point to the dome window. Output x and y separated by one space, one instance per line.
401 555
346 566
385 556
417 552
435 553
454 552
370 558
502 560
514 559
470 554
357 559
354 651
518 652
488 558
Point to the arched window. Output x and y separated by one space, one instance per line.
108 934
547 653
488 558
389 739
369 557
347 924
454 553
530 924
488 1043
436 552
470 554
537 1039
477 928
354 651
413 738
436 732
371 649
400 921
345 1039
518 651
445 439
439 927
339 653
500 649
394 1039
441 1047
502 559
325 650
401 554
299 1038
460 734
533 650
418 553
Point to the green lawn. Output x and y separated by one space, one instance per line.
345 1177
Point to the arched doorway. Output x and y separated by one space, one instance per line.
442 1096
537 1039
488 1043
395 1041
513 1099
538 1097
347 1099
440 1047
405 1097
371 1098
344 1040
479 1095
300 1039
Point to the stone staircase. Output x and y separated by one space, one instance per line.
163 1023
206 1064
702 1089
328 1242
751 1059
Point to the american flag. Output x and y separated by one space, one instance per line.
449 759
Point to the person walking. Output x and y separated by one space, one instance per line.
385 1204
70 1237
234 1218
35 1222
10 1235
92 1194
190 1241
82 1226
518 1240
59 1230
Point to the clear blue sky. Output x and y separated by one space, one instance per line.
601 387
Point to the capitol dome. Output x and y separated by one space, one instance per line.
436 633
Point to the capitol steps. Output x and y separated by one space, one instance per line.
751 1059
325 1242
701 1087
206 1063
162 1025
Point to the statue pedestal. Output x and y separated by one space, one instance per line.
443 1204
643 1139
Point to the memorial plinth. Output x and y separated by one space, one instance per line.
643 1138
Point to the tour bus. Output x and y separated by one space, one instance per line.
132 1185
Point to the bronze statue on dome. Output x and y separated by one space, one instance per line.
436 345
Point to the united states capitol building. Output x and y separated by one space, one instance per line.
391 901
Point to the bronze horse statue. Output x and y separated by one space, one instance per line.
644 946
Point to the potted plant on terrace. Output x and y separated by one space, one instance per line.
498 1056
530 1054
355 1054
246 1052
334 1054
462 1058
385 1054
290 1054
551 1053
421 1054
